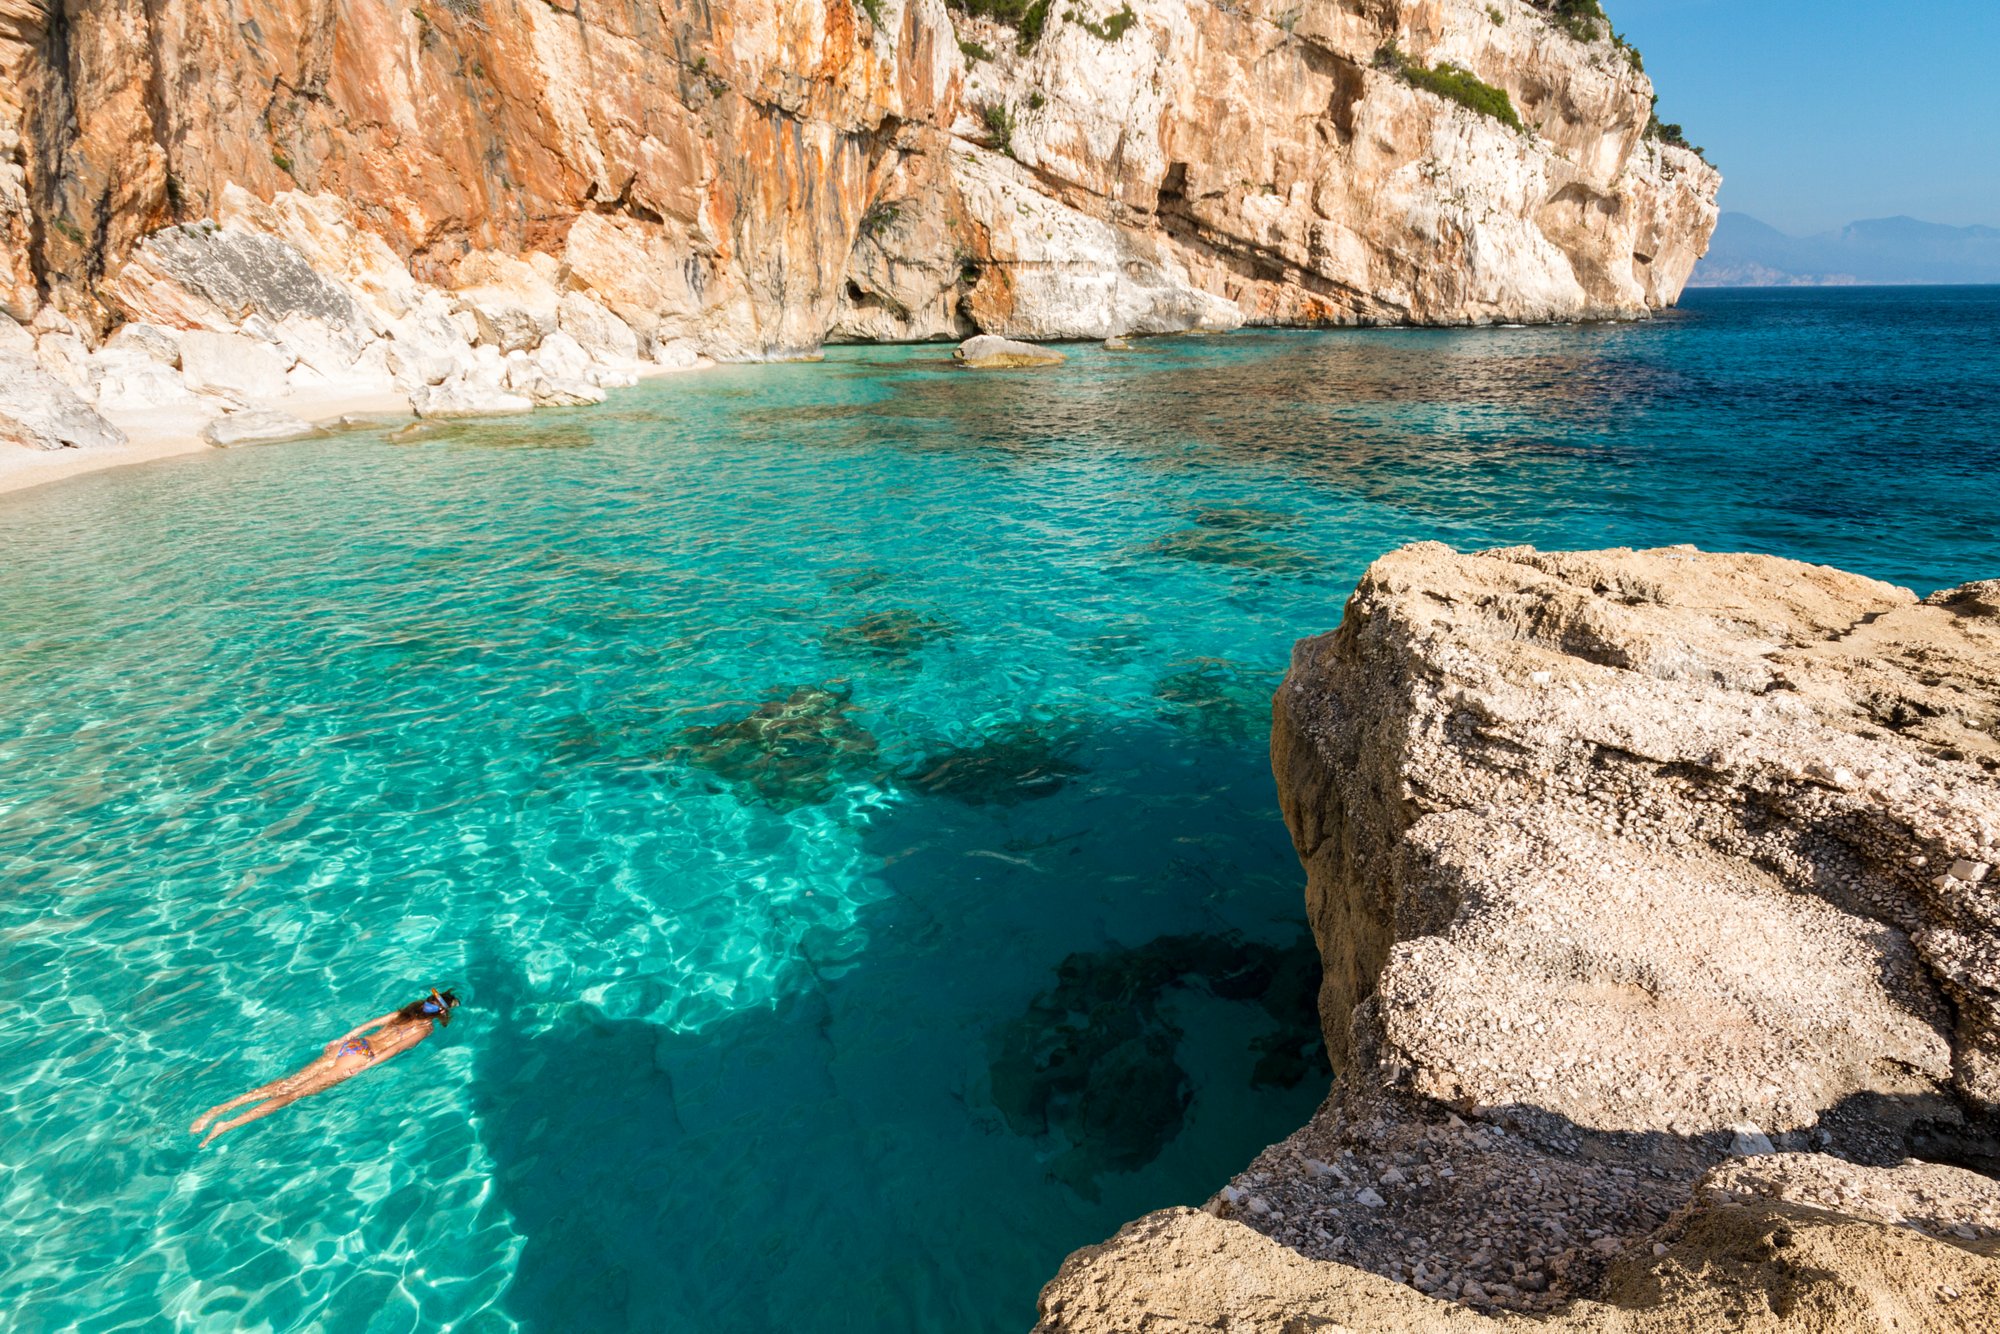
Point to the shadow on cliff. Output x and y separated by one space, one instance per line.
1659 1169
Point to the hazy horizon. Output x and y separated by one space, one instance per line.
1789 99
1895 251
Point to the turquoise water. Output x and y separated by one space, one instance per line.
838 789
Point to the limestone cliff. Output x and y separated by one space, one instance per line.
744 180
1662 958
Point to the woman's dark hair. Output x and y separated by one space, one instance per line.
429 1006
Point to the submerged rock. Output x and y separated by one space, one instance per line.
986 352
895 633
1094 1062
860 580
1214 699
1232 546
421 430
1621 868
1011 764
793 751
1236 517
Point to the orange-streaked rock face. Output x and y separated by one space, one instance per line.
755 178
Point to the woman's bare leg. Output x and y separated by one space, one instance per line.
254 1095
292 1086
261 1110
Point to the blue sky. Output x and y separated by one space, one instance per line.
1821 112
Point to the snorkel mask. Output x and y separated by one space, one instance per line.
440 1006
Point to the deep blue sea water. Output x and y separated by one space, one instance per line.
838 789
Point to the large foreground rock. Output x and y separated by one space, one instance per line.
1624 865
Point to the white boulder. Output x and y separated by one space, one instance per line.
231 366
14 340
124 380
565 393
460 397
256 426
986 352
674 354
508 328
599 332
426 346
146 340
562 357
65 356
41 412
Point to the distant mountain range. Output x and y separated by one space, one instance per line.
1749 253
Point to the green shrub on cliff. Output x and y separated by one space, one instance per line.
1668 132
1000 125
1026 17
1111 28
1581 19
1451 81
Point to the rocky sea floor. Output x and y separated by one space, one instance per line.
839 790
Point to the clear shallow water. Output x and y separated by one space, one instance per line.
805 771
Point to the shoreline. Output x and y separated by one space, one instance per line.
175 432
165 433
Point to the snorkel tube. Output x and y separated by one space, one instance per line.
439 1004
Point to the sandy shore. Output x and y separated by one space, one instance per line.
161 433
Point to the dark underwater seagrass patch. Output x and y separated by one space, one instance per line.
1215 700
894 632
1013 763
1240 547
1092 1068
795 749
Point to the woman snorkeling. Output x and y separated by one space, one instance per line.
348 1055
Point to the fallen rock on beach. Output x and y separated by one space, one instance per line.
256 426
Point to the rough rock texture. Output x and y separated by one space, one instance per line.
748 180
986 352
1624 865
1768 1268
41 412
